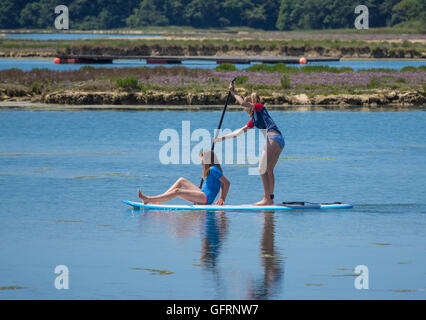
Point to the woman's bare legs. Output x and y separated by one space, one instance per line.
268 160
180 183
190 193
183 183
193 196
264 176
274 161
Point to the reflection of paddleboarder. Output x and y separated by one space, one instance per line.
214 232
271 263
215 183
261 119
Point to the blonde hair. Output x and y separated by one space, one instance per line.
252 98
209 159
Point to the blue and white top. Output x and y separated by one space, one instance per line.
212 184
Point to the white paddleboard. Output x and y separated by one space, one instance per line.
284 206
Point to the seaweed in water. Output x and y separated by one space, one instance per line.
155 271
11 287
380 243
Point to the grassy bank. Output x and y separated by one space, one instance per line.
187 30
179 82
349 45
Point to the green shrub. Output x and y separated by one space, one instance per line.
214 80
226 67
374 83
311 69
409 68
37 86
377 70
241 79
414 69
285 82
406 44
279 68
128 83
147 86
87 68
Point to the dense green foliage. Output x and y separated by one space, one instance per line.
226 67
325 14
260 14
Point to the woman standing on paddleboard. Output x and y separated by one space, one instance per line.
261 119
214 183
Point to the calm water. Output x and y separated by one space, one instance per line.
74 36
29 64
63 176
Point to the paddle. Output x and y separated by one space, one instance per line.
219 126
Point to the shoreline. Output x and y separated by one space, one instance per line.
228 31
150 98
26 105
352 53
178 100
174 46
341 59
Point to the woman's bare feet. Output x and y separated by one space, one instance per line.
143 197
264 202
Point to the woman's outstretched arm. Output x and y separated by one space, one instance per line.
233 134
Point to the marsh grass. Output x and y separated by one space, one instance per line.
283 68
414 69
226 67
285 82
94 85
15 90
244 44
241 79
274 68
129 83
262 78
374 83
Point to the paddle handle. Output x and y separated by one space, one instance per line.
220 124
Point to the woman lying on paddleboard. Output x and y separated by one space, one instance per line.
261 119
215 182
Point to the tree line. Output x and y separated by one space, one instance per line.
259 14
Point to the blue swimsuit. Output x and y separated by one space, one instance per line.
212 184
262 120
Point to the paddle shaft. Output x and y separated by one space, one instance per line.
220 125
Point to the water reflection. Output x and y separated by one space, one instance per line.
178 224
214 227
215 230
271 263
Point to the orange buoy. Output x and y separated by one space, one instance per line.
57 60
302 60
